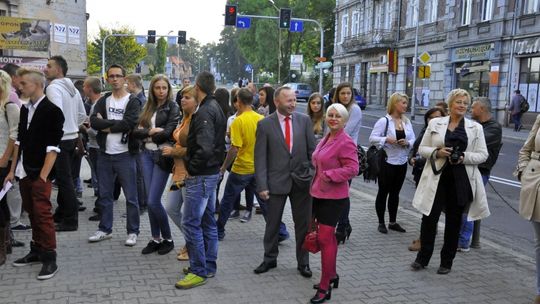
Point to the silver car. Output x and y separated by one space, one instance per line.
302 90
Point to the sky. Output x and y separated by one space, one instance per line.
201 19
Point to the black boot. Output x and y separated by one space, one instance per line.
49 268
31 258
13 242
2 246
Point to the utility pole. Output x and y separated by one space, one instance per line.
415 61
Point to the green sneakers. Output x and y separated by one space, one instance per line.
189 281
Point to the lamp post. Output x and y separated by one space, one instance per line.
279 51
415 60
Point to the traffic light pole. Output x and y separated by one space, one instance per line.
305 20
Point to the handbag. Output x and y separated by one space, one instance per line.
375 157
311 241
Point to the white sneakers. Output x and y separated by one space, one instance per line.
131 240
99 236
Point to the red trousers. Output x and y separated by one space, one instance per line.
36 201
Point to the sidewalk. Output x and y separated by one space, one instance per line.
374 268
380 110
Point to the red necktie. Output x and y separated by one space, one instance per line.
288 132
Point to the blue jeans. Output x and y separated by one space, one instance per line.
173 206
516 118
199 223
142 193
467 227
155 180
122 167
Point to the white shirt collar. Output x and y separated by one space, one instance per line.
35 104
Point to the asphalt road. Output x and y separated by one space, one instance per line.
504 227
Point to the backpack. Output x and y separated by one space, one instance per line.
375 156
523 106
362 160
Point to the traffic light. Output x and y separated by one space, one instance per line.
285 18
181 37
151 38
230 15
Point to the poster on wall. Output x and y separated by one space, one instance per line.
26 62
60 33
74 35
24 34
532 95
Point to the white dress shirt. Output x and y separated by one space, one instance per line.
397 154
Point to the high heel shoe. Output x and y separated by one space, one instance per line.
321 296
333 282
348 230
340 236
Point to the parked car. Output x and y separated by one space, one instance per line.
360 99
302 90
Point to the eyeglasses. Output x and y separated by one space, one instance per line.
113 76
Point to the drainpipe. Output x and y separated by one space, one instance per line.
511 65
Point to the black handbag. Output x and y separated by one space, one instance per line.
165 163
375 156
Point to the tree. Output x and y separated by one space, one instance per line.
119 50
161 56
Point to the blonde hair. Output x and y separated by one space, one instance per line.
393 100
151 104
189 90
457 93
341 109
5 89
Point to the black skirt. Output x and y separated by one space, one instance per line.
327 211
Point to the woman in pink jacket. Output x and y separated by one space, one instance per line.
336 162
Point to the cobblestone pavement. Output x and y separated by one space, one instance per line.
374 268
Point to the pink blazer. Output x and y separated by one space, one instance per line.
336 162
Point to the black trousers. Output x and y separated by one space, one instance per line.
390 179
4 209
445 199
67 211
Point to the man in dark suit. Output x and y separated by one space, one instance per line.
40 132
283 148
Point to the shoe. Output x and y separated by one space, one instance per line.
464 249
415 266
220 235
87 181
304 271
78 194
99 236
382 228
49 268
333 282
29 259
187 270
183 254
90 186
340 236
21 227
443 270
151 247
283 238
64 228
95 218
15 243
265 266
396 227
82 208
131 240
258 210
246 217
235 214
415 246
476 245
166 247
189 281
321 296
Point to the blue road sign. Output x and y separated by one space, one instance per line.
296 26
243 22
248 68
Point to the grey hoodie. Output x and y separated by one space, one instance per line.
64 95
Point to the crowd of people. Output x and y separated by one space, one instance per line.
144 146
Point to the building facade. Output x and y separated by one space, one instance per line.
67 27
488 47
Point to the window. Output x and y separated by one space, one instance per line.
367 19
361 22
344 27
531 6
529 81
379 16
487 9
355 23
412 13
388 13
466 10
430 14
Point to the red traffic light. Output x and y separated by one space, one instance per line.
230 15
232 9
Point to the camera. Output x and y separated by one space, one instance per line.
456 154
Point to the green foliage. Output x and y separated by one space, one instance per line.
161 56
119 50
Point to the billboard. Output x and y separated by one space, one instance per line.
24 34
25 62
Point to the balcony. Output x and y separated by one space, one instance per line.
371 41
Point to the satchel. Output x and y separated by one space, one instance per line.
165 163
311 241
375 156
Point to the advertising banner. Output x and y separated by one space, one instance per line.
25 62
24 34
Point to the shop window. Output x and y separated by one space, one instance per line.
531 6
474 77
487 9
529 81
466 11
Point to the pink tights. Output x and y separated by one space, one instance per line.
328 244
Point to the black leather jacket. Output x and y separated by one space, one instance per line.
167 117
493 135
206 139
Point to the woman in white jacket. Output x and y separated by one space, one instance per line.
453 146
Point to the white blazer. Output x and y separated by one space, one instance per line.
475 154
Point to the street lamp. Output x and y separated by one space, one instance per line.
279 45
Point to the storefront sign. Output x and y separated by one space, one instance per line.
527 46
26 62
472 53
24 34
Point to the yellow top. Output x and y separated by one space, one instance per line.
243 131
